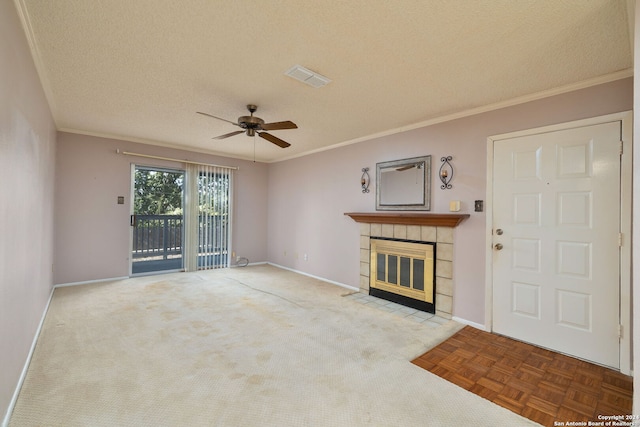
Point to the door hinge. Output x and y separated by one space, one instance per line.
621 148
619 332
619 240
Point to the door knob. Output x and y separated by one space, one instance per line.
498 246
499 231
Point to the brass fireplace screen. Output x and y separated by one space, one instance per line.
403 268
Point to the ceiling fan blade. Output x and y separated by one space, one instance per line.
279 125
227 135
273 139
219 118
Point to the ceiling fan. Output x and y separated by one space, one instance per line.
252 125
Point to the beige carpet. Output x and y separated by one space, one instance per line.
254 346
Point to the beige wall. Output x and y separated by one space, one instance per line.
308 196
92 230
27 145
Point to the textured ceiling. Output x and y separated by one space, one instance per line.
139 70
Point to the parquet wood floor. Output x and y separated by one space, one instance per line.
536 383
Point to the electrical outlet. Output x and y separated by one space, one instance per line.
478 205
306 257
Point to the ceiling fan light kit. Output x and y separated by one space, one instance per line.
252 125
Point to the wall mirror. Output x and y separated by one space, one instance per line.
404 184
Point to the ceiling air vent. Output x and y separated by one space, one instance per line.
307 76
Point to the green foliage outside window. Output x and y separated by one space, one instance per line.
158 192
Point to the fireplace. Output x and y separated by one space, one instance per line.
434 229
403 271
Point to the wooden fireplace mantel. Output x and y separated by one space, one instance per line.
409 218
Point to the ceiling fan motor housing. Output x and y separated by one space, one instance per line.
250 123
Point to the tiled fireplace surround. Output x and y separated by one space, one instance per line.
441 234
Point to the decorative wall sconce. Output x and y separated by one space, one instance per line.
446 172
364 181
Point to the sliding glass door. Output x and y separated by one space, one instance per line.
157 220
181 219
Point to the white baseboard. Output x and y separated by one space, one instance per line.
342 285
89 282
23 374
470 323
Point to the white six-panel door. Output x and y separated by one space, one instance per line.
556 228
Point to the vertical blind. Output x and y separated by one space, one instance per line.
209 212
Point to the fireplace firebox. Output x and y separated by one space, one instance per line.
403 271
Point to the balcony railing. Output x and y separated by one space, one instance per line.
161 236
156 236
